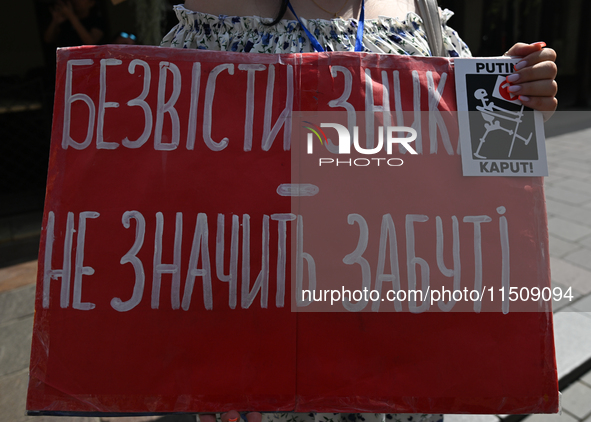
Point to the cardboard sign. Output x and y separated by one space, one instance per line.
185 218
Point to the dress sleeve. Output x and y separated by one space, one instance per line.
452 42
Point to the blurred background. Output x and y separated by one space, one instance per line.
27 80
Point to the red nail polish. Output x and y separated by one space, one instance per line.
520 65
540 43
513 78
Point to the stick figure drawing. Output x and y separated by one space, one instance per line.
491 113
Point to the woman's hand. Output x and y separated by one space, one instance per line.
533 80
231 416
57 18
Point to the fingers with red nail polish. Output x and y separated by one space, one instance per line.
535 73
513 78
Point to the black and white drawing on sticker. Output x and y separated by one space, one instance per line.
499 136
501 127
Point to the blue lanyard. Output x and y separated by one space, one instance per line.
316 44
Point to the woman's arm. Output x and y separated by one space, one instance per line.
534 76
57 18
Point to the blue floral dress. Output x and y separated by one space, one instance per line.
250 35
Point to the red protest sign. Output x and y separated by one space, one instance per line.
174 248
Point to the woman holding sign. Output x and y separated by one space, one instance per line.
371 26
390 27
